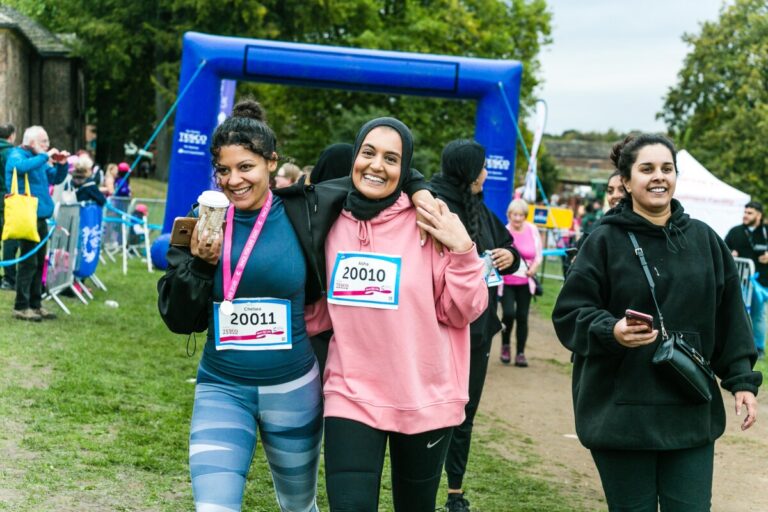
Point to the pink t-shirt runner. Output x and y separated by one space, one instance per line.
528 244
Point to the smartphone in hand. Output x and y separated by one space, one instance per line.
181 234
637 318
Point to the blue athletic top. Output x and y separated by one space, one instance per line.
276 268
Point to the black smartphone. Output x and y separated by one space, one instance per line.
638 318
181 234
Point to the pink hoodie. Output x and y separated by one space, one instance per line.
404 370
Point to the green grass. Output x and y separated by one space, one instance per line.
546 303
143 187
95 408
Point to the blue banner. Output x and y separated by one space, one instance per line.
89 243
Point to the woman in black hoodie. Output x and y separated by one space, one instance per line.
650 443
460 185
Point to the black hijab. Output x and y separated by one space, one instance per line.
334 162
461 163
362 207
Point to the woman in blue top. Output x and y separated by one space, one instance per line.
257 370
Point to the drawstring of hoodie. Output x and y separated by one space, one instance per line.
365 233
682 240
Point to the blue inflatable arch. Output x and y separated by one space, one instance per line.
229 58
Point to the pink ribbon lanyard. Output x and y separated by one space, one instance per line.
232 281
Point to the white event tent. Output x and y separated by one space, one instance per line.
707 198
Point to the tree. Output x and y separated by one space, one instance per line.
132 58
719 108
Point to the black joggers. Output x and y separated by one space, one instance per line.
354 458
642 481
515 303
29 277
458 452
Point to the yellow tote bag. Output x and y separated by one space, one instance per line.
20 213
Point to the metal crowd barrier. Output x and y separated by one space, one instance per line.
62 255
128 233
745 268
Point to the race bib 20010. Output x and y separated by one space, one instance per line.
366 279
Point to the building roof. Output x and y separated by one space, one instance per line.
44 41
578 149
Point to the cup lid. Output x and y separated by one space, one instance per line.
213 199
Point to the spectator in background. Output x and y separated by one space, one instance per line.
43 167
107 186
84 183
614 191
750 240
122 180
592 214
520 286
10 247
287 175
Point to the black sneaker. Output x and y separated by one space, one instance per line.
5 285
457 503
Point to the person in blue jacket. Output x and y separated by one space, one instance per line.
43 166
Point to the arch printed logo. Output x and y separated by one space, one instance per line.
498 166
192 142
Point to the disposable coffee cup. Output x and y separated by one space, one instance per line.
213 209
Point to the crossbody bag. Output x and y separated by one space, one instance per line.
674 356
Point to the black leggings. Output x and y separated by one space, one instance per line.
641 481
354 458
515 304
458 454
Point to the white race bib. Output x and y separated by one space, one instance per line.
492 276
365 279
253 324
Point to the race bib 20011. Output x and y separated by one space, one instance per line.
254 324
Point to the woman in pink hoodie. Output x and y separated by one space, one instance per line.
398 362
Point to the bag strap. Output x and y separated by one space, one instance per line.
27 192
639 253
14 183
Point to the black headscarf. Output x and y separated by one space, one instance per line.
334 162
362 207
461 163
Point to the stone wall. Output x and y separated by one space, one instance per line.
15 59
45 91
59 104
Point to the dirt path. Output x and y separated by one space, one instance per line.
535 405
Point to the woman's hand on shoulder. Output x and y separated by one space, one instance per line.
444 226
421 198
750 400
208 251
633 336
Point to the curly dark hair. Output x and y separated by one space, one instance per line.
246 127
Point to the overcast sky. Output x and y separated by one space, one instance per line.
612 61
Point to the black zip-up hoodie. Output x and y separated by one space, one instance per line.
620 399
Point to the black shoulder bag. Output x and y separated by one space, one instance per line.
683 363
